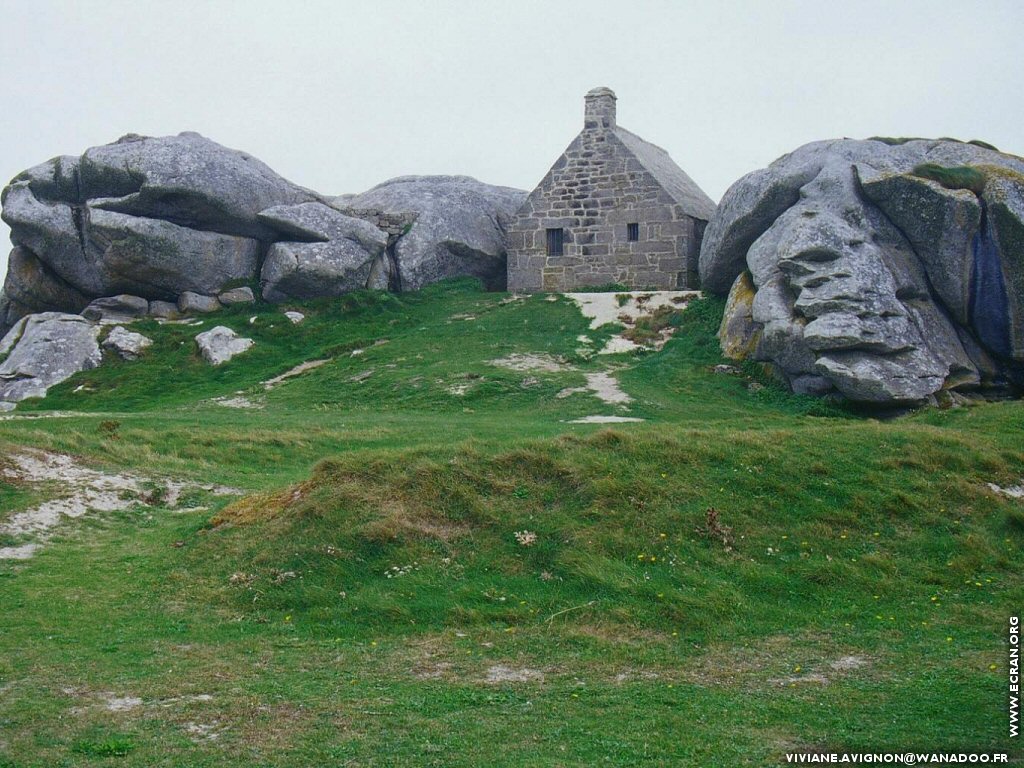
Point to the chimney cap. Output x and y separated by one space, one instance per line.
597 93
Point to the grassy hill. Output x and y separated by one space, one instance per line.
433 565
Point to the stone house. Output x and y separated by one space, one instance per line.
612 209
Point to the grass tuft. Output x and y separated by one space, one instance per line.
112 746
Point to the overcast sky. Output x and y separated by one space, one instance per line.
339 96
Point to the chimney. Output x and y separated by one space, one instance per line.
599 109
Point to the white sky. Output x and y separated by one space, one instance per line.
339 96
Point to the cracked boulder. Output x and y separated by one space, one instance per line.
45 349
459 227
882 270
153 217
324 252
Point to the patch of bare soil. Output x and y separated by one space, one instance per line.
298 370
532 362
606 388
598 419
776 661
238 401
627 309
501 674
1011 492
82 490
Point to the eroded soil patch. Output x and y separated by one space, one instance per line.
79 490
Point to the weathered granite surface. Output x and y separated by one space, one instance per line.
886 272
45 349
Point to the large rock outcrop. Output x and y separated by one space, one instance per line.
459 227
884 270
152 217
43 350
159 218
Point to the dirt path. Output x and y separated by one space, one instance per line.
81 490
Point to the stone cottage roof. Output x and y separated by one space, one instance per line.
671 177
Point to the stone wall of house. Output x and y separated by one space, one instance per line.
595 189
393 224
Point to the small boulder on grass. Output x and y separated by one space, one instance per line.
165 310
241 295
116 309
191 303
127 344
220 344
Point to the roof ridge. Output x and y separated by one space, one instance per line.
641 138
674 180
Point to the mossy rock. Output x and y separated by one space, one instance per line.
739 334
959 177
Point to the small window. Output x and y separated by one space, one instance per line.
556 242
632 232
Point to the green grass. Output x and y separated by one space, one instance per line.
418 577
961 177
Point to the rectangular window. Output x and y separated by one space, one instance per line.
556 242
632 232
